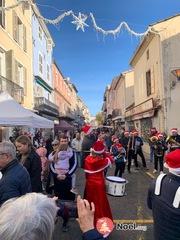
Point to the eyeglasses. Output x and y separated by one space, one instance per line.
54 145
1 154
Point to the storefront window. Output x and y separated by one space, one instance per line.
145 128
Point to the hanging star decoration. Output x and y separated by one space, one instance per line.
80 21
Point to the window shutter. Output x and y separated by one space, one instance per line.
25 81
49 44
9 65
15 26
24 39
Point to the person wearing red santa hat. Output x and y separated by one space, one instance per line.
164 200
151 134
124 140
87 143
95 184
160 147
119 157
135 148
176 137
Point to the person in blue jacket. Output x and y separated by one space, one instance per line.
15 180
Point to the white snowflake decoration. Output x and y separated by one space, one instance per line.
80 21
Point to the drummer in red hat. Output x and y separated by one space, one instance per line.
95 185
174 140
164 200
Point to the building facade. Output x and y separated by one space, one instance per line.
42 68
156 89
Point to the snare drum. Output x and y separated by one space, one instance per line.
115 186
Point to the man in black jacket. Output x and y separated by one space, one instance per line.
15 180
62 183
88 142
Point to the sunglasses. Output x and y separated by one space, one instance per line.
54 145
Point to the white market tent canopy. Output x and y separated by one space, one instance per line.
13 114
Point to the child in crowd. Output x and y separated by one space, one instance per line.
61 163
44 164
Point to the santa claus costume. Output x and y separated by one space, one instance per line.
95 185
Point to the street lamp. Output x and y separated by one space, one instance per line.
176 73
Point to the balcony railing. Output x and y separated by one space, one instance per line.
16 91
116 112
42 104
68 114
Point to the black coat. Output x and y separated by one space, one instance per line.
87 143
49 146
33 165
15 181
166 217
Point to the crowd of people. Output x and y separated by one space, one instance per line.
34 169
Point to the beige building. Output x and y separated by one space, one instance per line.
86 114
156 89
16 53
124 98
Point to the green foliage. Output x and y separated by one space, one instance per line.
99 118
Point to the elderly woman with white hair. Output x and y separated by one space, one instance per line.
32 216
28 217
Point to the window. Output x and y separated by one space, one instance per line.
40 33
19 32
49 44
17 27
19 73
40 64
147 54
2 63
48 72
148 83
2 14
21 76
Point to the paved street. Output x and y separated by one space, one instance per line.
128 211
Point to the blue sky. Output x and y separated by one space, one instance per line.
89 58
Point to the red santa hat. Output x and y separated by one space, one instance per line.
98 147
174 130
87 129
153 129
160 134
135 131
126 132
115 139
173 161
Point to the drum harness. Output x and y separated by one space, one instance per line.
157 191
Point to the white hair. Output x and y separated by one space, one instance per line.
8 147
29 217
